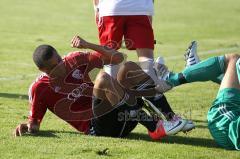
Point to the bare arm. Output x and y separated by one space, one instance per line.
110 56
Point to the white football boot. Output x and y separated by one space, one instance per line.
162 74
165 128
188 126
191 56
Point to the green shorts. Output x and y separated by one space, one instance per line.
224 118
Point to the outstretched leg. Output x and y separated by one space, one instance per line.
207 70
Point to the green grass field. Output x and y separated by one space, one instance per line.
25 24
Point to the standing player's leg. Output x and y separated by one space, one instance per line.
223 116
111 30
146 62
139 36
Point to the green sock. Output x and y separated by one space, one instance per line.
207 70
219 79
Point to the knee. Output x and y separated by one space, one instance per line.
101 80
124 71
231 58
125 68
129 65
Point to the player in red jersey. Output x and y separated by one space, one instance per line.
62 83
66 89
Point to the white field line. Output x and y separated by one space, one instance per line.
217 51
17 63
18 77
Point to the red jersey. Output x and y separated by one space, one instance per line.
69 96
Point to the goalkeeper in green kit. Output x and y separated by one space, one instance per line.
224 114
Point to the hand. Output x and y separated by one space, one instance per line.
78 42
21 129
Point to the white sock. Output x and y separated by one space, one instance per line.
112 70
147 66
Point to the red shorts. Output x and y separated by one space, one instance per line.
136 30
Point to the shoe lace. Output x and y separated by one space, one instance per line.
186 55
162 70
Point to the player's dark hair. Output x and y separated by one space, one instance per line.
41 54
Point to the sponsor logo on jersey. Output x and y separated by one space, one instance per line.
77 74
